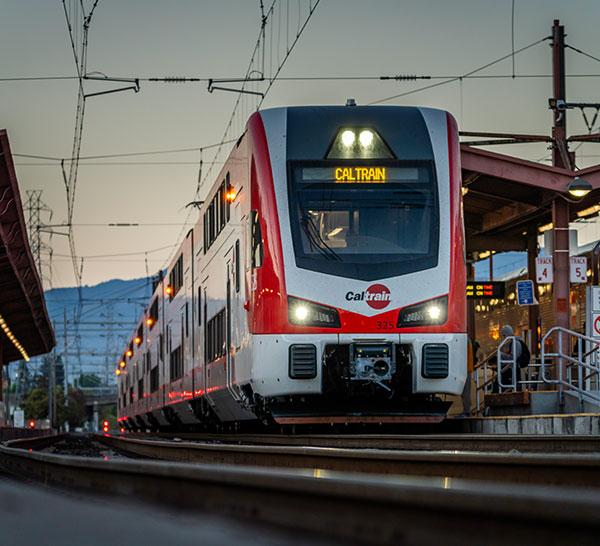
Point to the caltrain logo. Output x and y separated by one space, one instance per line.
377 296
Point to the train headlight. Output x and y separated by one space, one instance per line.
424 314
434 312
306 313
348 138
365 138
301 312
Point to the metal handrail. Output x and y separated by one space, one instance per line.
586 359
484 365
506 363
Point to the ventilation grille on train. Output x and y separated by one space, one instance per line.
303 361
435 361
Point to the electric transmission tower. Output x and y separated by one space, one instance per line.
39 214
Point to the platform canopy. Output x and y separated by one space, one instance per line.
506 197
25 329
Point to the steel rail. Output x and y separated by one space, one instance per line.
551 443
355 508
582 470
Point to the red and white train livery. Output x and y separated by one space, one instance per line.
324 281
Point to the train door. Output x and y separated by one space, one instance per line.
230 327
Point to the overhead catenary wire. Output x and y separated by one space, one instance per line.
386 78
248 81
581 52
463 76
124 154
512 36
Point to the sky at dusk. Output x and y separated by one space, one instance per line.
210 38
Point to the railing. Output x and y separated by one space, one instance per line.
488 380
574 357
576 364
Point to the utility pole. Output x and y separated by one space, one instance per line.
64 357
51 389
560 158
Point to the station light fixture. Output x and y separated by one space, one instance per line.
118 371
589 211
122 364
464 190
137 340
149 321
545 227
578 187
6 329
129 353
169 290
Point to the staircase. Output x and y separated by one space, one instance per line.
565 378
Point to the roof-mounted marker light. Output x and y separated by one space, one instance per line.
348 138
366 138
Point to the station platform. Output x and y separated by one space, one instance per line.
35 515
573 423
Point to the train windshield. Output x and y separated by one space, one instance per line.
364 221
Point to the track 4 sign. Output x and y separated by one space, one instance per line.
543 270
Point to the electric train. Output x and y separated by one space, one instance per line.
323 283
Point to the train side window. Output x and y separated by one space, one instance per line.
153 313
176 277
154 379
222 203
237 265
228 203
187 319
256 241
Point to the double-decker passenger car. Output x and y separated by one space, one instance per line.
323 283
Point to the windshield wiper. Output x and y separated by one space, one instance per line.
315 239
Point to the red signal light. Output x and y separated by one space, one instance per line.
31 424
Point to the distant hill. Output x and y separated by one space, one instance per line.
99 323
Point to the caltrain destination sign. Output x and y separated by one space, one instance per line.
360 174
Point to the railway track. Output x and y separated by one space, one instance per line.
535 443
356 508
582 470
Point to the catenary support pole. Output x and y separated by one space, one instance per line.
560 207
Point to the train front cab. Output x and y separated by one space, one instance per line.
356 275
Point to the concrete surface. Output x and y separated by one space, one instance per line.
32 515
